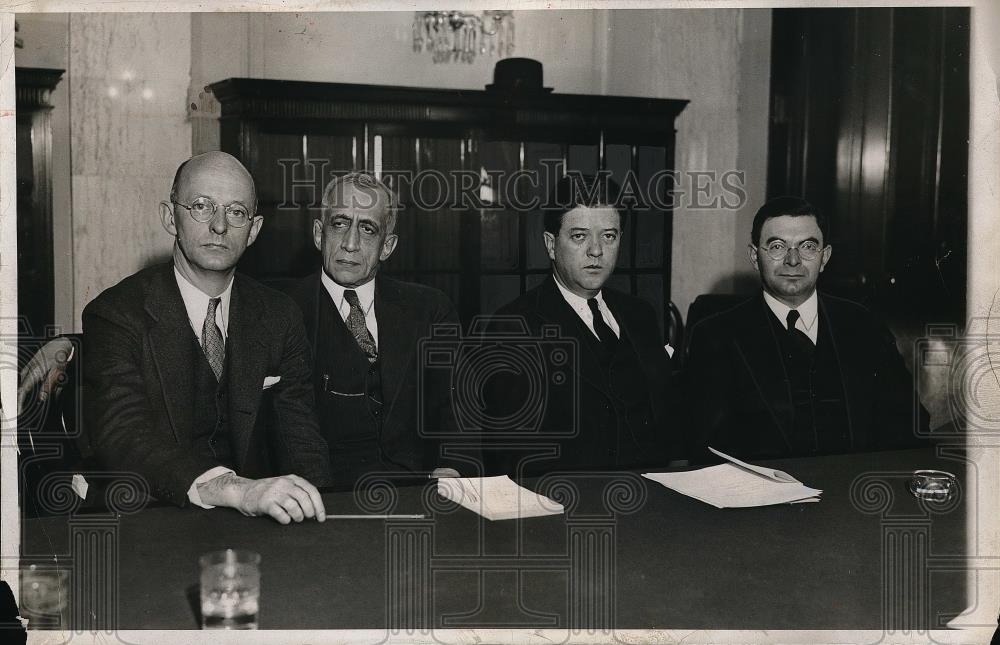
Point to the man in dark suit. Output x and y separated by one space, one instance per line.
792 372
178 357
604 402
364 329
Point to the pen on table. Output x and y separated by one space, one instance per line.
376 517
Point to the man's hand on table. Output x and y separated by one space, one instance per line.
286 498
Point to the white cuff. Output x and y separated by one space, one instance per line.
208 475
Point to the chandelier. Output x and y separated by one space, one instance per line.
458 36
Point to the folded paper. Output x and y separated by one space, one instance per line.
737 484
497 498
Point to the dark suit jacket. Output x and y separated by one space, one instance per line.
140 384
740 399
588 414
405 312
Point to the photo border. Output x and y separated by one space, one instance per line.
983 294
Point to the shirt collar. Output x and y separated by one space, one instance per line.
366 292
578 303
196 304
808 310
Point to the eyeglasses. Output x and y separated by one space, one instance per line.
203 210
777 250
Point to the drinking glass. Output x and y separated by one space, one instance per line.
230 589
45 596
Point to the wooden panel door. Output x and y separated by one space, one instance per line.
869 121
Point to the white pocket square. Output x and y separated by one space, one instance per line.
271 380
670 351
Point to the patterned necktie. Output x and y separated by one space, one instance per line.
356 323
212 342
604 332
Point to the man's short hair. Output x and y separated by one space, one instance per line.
791 206
364 182
575 190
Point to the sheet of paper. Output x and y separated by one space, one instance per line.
731 486
497 498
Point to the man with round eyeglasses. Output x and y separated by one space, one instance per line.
198 377
792 371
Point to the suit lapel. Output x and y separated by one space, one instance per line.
761 353
628 333
553 309
247 366
828 344
397 339
171 338
310 308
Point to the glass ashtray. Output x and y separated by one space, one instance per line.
933 485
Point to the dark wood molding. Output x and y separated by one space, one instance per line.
628 117
34 85
36 281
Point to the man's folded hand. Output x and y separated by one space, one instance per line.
286 498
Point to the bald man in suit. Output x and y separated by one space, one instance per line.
178 358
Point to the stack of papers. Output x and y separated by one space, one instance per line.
496 498
737 484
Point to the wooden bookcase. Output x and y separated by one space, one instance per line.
294 136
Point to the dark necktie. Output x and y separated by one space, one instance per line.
356 323
800 340
212 342
604 332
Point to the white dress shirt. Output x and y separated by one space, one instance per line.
366 298
582 309
196 304
808 322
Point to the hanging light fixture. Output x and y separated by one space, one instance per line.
453 36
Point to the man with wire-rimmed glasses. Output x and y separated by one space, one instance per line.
795 372
198 377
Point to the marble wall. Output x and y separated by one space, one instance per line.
136 86
129 129
376 48
720 61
